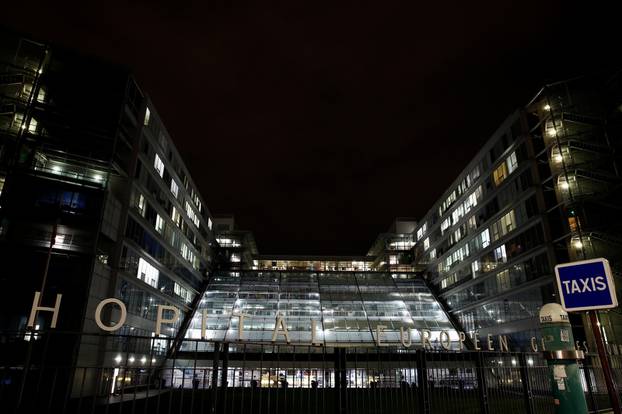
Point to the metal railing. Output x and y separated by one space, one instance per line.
55 372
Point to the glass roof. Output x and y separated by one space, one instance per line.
347 307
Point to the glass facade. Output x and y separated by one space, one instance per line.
346 307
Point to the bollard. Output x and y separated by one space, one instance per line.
561 356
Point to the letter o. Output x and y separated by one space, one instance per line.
98 312
445 340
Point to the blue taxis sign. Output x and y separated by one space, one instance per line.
586 285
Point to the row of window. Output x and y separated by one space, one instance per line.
521 306
421 231
511 277
193 196
490 261
508 166
468 204
170 233
499 228
142 304
463 186
135 232
463 209
133 263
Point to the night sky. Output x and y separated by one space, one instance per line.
317 125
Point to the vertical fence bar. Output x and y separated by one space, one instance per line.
225 376
422 382
215 364
526 384
588 384
340 379
482 385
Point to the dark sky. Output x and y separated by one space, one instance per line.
317 125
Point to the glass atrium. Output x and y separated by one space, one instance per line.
345 307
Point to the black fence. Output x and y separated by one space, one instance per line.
58 372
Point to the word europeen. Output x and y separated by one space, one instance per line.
280 328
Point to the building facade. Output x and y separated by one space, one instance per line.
542 191
95 203
95 200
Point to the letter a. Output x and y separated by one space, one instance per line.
280 327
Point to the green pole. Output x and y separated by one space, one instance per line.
561 355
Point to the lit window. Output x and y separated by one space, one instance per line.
475 267
503 280
174 188
189 256
422 231
505 168
20 121
426 243
500 173
564 183
147 273
508 221
472 223
182 292
504 225
147 116
433 254
159 224
485 238
158 165
577 243
558 155
512 162
193 216
209 223
393 259
27 91
500 255
141 204
176 216
235 258
553 127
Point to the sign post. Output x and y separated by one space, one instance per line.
588 285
